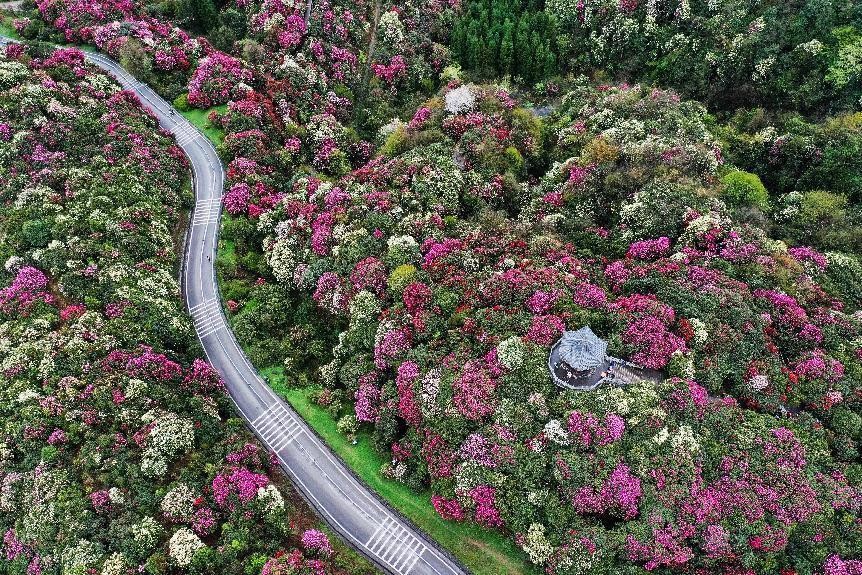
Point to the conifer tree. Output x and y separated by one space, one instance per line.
507 49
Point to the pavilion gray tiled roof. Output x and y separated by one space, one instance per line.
579 361
582 349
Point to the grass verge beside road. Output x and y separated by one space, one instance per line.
200 119
6 28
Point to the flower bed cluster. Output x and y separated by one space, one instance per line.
446 307
77 20
118 450
301 69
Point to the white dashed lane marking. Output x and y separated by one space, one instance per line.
207 317
277 427
395 546
206 212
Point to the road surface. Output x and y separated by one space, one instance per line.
348 506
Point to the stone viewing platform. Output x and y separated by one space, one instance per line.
579 360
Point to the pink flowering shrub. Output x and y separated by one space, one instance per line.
367 401
474 391
316 541
835 565
408 406
419 118
649 249
449 509
486 513
217 79
619 495
652 342
389 73
238 485
806 254
237 198
369 274
26 289
588 431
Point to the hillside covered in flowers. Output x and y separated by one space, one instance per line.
119 450
422 197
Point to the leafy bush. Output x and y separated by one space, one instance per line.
744 189
181 103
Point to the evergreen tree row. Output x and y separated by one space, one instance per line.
502 37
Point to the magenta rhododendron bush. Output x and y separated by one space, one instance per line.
77 19
118 448
216 80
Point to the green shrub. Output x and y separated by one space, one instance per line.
396 142
401 277
744 189
181 103
36 233
820 207
846 422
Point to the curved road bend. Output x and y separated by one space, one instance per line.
393 544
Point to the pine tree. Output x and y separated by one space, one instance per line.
474 51
507 49
507 37
201 14
458 43
522 48
492 47
537 58
550 65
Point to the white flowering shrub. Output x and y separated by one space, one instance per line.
271 498
178 503
460 100
511 352
183 545
536 544
171 435
115 564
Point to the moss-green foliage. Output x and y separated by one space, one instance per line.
744 189
181 102
401 277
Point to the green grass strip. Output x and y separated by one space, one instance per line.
7 29
201 121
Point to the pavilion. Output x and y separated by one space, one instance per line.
579 360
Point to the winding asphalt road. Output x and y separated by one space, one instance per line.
349 507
